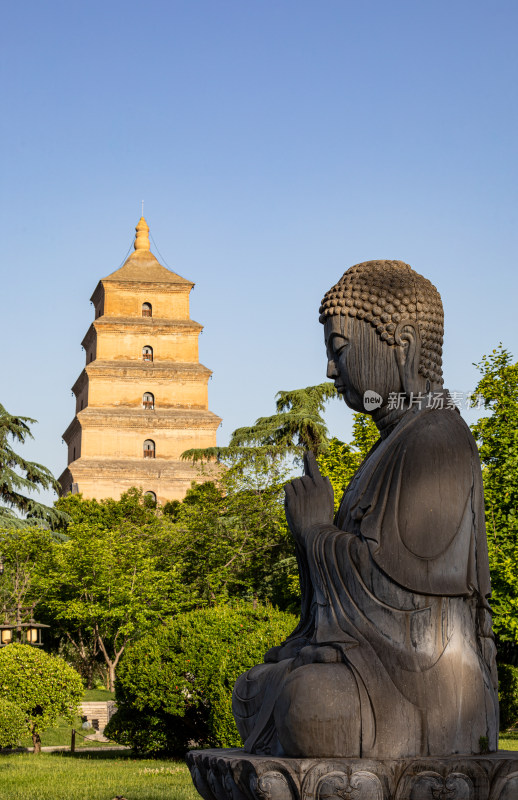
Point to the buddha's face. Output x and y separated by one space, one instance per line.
358 360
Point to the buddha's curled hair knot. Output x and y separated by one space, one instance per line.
385 293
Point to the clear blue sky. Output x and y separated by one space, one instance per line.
275 144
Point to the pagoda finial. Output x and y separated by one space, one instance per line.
142 237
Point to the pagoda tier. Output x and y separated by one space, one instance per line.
94 477
175 385
142 398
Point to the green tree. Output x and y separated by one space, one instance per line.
297 426
257 557
24 553
114 578
497 439
44 687
18 477
13 726
233 537
508 696
242 533
130 507
177 687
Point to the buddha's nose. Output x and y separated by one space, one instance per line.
332 372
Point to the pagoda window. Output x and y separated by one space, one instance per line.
147 310
148 400
147 353
151 499
149 448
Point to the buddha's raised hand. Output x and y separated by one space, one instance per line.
308 500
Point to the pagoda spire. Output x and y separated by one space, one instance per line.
142 237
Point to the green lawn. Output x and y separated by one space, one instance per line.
508 741
95 695
92 776
61 734
103 776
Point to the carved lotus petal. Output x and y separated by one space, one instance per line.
271 786
506 788
360 785
215 784
201 784
233 792
432 786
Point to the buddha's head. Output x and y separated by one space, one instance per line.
383 327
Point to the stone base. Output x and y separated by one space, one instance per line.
236 775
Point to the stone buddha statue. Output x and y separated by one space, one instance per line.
394 654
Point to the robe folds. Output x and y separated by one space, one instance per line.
395 597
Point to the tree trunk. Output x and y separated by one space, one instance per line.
86 655
111 674
109 663
88 674
36 742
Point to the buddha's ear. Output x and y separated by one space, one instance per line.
408 353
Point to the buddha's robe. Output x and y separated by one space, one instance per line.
394 654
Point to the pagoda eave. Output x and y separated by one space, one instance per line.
136 370
139 325
141 418
168 287
140 473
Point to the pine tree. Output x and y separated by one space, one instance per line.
18 477
297 426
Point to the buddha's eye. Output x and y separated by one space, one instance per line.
339 346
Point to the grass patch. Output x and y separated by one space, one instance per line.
93 776
508 741
104 775
97 695
61 734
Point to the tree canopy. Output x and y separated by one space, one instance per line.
297 426
497 438
233 537
177 688
18 477
42 686
117 574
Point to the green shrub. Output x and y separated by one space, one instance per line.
13 726
508 695
43 687
174 688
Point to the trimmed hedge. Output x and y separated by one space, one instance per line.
13 726
174 689
508 695
44 687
